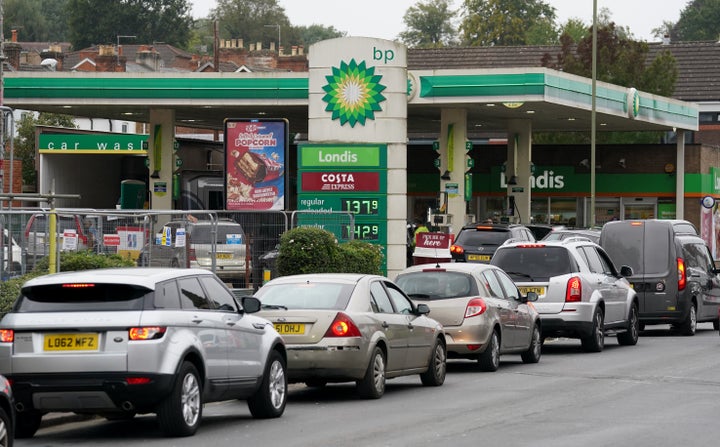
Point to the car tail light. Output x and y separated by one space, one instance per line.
475 307
191 255
682 276
456 249
138 380
531 246
78 285
146 333
7 335
574 290
342 326
474 347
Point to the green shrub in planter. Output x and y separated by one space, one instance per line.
10 290
307 250
360 257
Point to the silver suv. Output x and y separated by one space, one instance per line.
580 292
118 342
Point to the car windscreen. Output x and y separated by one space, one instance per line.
225 233
306 295
81 298
474 237
436 285
533 263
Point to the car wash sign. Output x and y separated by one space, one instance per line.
346 178
71 143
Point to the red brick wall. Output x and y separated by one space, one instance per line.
16 181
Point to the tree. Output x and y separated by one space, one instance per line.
575 29
503 22
251 20
700 20
429 25
308 35
24 144
95 22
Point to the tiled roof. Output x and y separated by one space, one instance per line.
698 63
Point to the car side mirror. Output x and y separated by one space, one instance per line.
626 271
422 309
530 296
250 304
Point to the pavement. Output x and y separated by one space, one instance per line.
53 419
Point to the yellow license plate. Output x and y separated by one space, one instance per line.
70 342
539 290
478 257
290 328
223 256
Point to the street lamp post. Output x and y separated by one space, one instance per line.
118 46
278 28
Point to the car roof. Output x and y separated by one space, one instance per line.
465 267
568 241
498 226
349 278
141 276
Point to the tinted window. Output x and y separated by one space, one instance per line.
167 296
623 242
657 249
219 295
593 259
202 234
192 295
436 285
484 237
306 295
380 299
534 263
697 256
86 297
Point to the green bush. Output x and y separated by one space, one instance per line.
314 250
69 261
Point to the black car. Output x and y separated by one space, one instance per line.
7 414
477 242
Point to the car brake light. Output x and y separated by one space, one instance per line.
146 333
475 306
574 290
78 286
531 245
138 380
342 326
682 276
458 250
7 335
483 227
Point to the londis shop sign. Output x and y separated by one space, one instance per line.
319 156
52 143
548 179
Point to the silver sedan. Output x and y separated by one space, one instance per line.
353 327
481 309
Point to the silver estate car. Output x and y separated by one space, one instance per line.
482 311
353 327
580 292
118 342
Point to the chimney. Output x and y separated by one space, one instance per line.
14 35
294 50
258 46
666 39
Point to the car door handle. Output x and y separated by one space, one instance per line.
230 322
410 326
385 325
197 320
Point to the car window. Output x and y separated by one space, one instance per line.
696 256
306 295
219 295
475 237
81 298
510 289
436 285
192 295
167 296
380 300
534 263
402 304
593 259
493 284
606 261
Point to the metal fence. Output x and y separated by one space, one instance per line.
240 247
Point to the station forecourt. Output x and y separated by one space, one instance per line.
361 109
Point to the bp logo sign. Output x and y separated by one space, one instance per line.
353 93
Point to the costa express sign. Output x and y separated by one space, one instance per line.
340 181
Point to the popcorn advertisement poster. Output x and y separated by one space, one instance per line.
255 153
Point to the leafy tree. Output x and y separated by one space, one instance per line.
308 35
575 29
101 21
429 25
700 20
503 22
24 144
251 20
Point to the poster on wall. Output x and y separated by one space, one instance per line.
255 155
